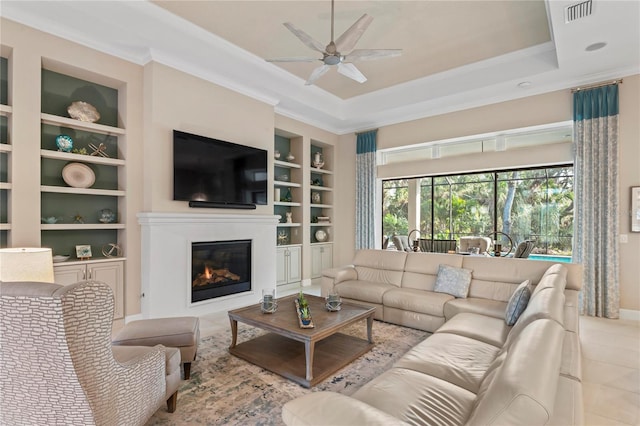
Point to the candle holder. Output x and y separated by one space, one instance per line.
268 304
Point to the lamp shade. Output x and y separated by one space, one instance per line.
26 264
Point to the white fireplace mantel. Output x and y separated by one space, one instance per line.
166 259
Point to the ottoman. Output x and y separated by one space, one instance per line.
182 333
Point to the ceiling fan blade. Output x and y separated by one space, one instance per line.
371 54
349 38
294 59
350 70
305 38
316 74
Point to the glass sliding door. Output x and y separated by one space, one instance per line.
528 204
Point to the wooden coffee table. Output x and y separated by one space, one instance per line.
305 355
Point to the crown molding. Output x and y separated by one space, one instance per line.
114 28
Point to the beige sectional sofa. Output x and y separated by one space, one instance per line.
474 369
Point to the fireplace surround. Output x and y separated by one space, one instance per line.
166 263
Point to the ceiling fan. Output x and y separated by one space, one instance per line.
339 52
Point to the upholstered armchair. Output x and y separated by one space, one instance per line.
524 249
401 242
58 366
482 243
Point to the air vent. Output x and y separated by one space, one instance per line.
578 11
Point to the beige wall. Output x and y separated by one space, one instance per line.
629 175
532 111
175 100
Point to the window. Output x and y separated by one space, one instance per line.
527 204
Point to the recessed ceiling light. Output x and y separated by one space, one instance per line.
524 84
595 46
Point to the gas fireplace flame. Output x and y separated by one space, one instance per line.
215 276
208 272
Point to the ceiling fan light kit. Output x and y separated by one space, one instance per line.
339 53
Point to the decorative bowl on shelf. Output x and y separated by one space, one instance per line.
50 220
107 216
83 111
60 258
64 143
78 175
321 235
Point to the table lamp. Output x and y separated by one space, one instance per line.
26 264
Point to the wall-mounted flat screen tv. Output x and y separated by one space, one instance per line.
209 172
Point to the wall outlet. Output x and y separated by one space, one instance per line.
624 238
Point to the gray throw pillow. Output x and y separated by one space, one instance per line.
453 281
517 303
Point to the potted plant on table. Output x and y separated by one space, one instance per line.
305 315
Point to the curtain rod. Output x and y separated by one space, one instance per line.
593 86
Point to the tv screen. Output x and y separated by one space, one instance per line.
213 171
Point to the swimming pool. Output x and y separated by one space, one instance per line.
550 258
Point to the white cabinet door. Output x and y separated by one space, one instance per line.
295 264
281 266
112 274
69 274
321 259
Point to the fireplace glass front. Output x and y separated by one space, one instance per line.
220 268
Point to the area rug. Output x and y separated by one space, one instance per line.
225 390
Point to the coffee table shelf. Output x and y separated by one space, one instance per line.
306 356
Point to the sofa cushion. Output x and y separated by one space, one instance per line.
496 278
517 303
424 302
476 305
555 276
384 266
453 281
367 291
452 358
417 398
330 408
421 269
490 330
522 389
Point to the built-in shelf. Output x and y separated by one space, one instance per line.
82 191
6 110
80 226
321 171
5 226
5 185
286 204
59 155
5 147
289 225
80 125
321 188
281 163
322 206
322 224
286 184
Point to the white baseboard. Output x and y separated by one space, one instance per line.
130 318
629 314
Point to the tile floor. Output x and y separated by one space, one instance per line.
610 367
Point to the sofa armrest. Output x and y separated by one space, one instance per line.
330 408
331 277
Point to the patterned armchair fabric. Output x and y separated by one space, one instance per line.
57 364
